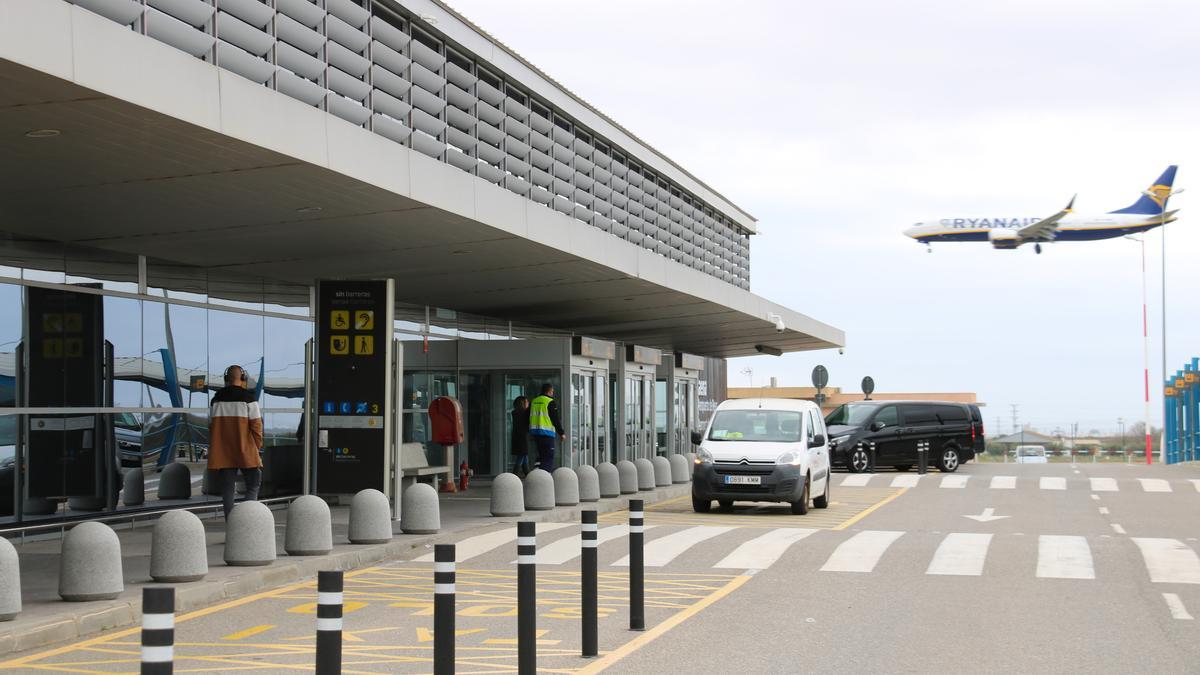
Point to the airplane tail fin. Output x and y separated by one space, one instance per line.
1154 199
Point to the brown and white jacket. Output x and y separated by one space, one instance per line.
235 430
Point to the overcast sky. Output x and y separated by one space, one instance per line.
839 124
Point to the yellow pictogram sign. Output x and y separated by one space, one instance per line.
52 348
339 345
73 347
364 345
339 319
364 319
73 322
52 323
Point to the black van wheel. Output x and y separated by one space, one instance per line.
858 461
701 505
948 462
822 502
800 507
904 467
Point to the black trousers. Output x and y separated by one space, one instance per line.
253 478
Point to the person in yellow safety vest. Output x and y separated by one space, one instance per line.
544 426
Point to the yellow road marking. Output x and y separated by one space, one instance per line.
656 632
426 635
248 632
871 509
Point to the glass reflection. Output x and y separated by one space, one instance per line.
175 372
123 328
236 339
12 321
284 341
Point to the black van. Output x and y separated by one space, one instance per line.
954 432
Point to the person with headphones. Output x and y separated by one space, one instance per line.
235 436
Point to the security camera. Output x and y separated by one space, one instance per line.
778 321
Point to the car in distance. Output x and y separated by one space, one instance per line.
954 432
762 450
1031 454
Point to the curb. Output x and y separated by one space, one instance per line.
94 617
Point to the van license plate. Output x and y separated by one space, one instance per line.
743 480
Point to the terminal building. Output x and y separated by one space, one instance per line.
179 177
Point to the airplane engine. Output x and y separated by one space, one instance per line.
1004 239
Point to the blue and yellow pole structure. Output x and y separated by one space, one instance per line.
1192 378
1170 408
1180 416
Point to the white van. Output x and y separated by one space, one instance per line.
1031 454
762 450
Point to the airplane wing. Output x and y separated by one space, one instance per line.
1045 229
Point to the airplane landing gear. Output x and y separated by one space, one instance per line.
1037 248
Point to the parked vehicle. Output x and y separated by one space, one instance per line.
1031 454
762 450
954 432
128 431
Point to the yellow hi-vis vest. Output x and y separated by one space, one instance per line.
539 417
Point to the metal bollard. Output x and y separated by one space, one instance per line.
637 571
329 622
871 450
590 584
443 609
922 460
526 597
158 631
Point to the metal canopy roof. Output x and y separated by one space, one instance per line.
231 178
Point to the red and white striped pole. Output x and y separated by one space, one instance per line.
1146 355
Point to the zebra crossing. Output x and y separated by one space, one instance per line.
1050 483
956 554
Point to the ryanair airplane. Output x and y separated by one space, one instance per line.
1149 211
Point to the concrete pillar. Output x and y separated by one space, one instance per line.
539 491
10 581
250 535
627 475
645 474
420 510
175 482
662 471
610 480
679 469
309 528
508 495
589 483
133 490
566 487
178 552
90 565
370 518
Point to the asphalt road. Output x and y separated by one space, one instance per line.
1091 568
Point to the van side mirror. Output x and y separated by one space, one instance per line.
877 426
697 437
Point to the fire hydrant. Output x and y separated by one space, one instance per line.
464 474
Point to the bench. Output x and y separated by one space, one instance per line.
414 466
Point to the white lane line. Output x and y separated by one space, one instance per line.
1003 483
1169 561
1104 510
663 550
861 552
1118 529
1096 497
482 543
1196 482
761 552
1052 483
1155 485
1178 611
960 554
908 480
1104 485
1064 557
857 480
954 481
569 548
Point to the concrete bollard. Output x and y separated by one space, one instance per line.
662 471
627 475
566 487
177 549
691 458
610 480
133 490
91 564
85 503
679 469
250 535
539 491
645 474
10 581
309 528
420 510
508 495
589 483
370 518
175 482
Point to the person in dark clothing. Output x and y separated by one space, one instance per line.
520 435
545 426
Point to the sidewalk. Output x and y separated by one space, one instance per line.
46 619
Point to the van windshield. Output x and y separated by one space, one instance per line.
850 414
779 426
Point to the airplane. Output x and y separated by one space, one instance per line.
1148 212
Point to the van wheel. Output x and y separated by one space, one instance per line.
904 467
822 502
858 461
948 462
800 507
701 505
725 504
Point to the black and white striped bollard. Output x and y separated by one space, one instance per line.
329 622
922 460
526 598
590 584
871 449
158 631
637 572
443 609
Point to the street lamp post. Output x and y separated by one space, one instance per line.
1146 350
1162 222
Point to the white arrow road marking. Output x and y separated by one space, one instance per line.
987 516
960 554
1063 557
1178 611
